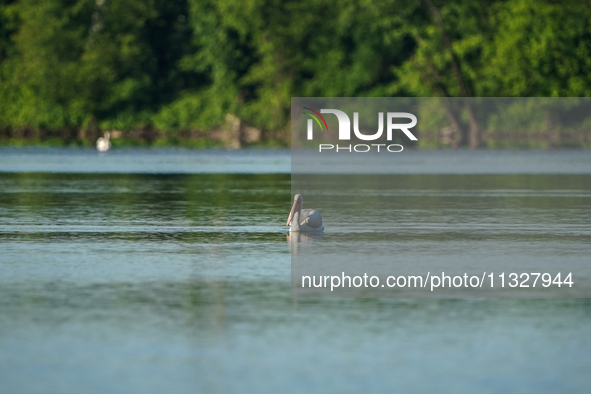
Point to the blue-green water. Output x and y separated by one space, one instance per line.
151 271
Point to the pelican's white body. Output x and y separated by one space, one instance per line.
304 220
103 144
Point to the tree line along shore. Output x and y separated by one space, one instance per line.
201 73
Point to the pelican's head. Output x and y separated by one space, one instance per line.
107 135
297 205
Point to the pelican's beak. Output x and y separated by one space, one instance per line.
294 209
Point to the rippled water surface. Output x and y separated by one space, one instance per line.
163 271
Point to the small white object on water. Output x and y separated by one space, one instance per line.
303 220
103 144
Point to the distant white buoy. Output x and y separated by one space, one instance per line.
103 144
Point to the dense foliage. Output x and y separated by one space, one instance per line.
70 69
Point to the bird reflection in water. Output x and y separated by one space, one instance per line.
299 241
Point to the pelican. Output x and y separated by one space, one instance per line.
103 144
303 220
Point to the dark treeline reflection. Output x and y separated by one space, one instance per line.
197 200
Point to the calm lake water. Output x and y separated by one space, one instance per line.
169 271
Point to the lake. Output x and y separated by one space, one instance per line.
169 271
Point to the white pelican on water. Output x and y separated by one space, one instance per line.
103 144
303 220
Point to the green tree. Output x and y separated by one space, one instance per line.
540 48
92 64
260 53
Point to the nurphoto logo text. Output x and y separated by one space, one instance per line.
344 131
